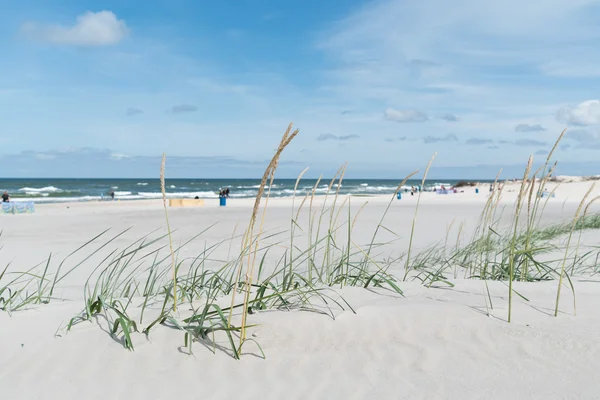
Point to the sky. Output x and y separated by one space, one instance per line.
102 88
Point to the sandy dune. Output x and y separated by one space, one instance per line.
433 343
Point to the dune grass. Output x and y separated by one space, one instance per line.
139 288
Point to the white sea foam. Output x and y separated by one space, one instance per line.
119 194
379 188
142 184
56 199
47 189
37 194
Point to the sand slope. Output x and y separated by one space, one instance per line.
434 343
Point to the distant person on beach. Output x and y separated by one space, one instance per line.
5 197
226 192
491 188
112 194
196 198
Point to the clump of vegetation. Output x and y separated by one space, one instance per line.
210 300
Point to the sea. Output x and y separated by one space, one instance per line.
71 190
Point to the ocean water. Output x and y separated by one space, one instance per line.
67 190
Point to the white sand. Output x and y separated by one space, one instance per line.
430 344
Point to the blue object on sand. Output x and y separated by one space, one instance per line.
222 201
18 208
399 196
476 190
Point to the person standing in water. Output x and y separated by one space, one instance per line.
5 197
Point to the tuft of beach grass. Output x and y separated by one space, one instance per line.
164 199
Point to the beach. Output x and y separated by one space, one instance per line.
434 340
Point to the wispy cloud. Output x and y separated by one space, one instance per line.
131 111
583 139
329 136
422 63
59 163
450 137
483 70
529 128
529 142
405 115
583 114
119 156
183 108
90 29
395 139
478 141
449 117
424 67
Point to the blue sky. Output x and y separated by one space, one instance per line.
102 88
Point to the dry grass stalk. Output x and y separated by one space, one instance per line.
380 224
296 188
332 221
460 231
358 213
339 210
488 210
585 211
269 174
293 221
412 229
511 266
164 199
249 233
562 270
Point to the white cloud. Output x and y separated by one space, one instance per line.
44 156
449 117
473 47
449 137
584 114
480 67
567 69
183 108
479 141
405 115
584 139
90 29
118 156
329 136
529 128
529 142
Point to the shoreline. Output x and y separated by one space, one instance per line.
562 190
